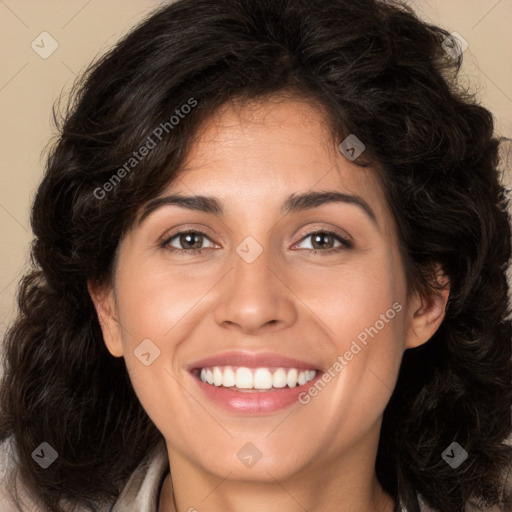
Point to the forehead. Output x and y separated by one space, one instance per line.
273 134
269 147
253 156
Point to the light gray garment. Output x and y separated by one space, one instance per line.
140 494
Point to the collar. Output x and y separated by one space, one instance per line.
142 491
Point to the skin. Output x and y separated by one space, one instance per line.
315 457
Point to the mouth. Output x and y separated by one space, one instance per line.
253 384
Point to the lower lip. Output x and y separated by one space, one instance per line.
255 402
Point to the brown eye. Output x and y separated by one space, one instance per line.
324 241
187 241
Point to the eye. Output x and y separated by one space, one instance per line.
191 241
323 241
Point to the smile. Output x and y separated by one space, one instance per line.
251 383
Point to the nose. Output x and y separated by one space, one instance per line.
255 297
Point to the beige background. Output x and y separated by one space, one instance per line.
29 85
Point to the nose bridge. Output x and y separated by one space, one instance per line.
253 261
254 295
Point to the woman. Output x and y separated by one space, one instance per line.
335 336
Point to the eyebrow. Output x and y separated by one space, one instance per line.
293 203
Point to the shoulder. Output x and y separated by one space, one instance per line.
142 491
13 497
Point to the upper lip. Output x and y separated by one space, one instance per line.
251 360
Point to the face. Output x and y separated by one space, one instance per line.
296 310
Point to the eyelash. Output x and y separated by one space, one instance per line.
345 244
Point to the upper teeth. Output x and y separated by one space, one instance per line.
255 378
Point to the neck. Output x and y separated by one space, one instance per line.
329 487
278 498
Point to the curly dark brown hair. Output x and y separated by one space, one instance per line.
377 71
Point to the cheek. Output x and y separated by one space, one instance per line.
352 298
153 307
155 298
158 307
362 309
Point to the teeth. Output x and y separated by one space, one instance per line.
291 378
255 378
228 378
279 378
243 378
262 379
217 376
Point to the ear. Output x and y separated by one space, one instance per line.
427 313
105 305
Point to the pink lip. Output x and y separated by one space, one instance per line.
252 402
256 402
251 360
